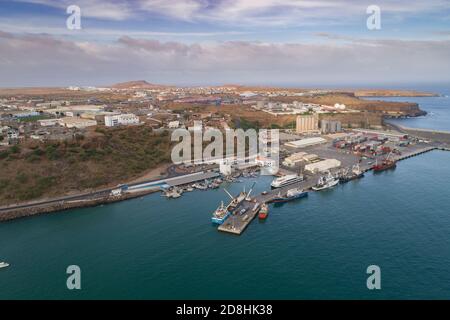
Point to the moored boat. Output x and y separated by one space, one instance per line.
220 215
263 211
326 182
292 194
385 164
286 180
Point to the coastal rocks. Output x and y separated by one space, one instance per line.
61 206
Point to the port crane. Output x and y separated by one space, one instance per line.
243 195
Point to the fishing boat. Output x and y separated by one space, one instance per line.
220 215
292 194
326 182
355 173
263 212
200 186
173 193
3 265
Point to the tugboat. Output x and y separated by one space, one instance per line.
263 212
292 194
385 164
326 182
220 215
356 173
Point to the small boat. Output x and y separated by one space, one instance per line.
291 195
3 265
174 193
326 182
200 186
189 189
220 215
263 212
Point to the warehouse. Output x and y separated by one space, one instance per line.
323 166
305 142
294 159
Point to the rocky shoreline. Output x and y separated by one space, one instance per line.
62 206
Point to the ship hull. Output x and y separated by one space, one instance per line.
328 186
353 177
380 168
286 183
216 220
287 199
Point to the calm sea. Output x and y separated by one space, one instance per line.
318 247
438 108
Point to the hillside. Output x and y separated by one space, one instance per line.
138 84
111 157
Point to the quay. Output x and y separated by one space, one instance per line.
236 224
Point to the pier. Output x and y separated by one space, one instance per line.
236 223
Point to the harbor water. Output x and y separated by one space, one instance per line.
317 247
437 108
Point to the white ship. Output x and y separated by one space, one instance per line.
286 180
3 265
326 182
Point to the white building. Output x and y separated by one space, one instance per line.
78 123
121 119
323 166
49 122
174 124
305 142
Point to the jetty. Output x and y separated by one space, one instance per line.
236 223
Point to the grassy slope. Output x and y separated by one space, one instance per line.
113 156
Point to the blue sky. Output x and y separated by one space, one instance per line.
199 42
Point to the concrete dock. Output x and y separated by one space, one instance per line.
236 223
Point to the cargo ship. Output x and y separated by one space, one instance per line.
286 180
220 215
385 164
263 212
292 194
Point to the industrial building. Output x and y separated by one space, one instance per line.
78 123
330 126
305 142
121 119
294 159
307 123
323 166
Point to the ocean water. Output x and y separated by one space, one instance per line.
438 108
314 248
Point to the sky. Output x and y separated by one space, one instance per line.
205 42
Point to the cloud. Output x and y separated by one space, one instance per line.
46 60
247 12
